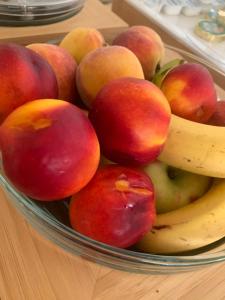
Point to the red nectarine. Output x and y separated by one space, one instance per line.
117 207
24 76
64 67
49 149
190 91
131 118
146 44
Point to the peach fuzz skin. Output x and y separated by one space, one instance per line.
146 44
24 76
80 41
103 65
131 118
53 147
190 90
123 213
64 67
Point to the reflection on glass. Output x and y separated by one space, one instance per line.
26 12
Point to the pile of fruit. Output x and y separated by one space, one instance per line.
126 139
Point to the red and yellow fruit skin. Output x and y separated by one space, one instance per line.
24 76
64 67
49 149
146 44
117 207
131 118
190 91
103 65
82 40
218 118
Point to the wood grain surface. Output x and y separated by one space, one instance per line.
32 268
94 14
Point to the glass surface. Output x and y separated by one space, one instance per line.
32 12
51 220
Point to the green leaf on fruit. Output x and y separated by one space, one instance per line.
161 74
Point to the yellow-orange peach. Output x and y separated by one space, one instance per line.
24 76
191 93
131 118
146 44
49 149
64 67
80 41
102 66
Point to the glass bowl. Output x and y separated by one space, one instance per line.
51 220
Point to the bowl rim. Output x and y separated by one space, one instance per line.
132 256
178 261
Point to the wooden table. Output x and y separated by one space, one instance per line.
94 14
32 268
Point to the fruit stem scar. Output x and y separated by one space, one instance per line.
124 186
35 124
42 123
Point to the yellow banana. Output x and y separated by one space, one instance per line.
195 225
195 147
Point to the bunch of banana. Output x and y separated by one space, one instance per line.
197 148
193 226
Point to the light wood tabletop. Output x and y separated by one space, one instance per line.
94 14
33 268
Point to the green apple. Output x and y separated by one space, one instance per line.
175 188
